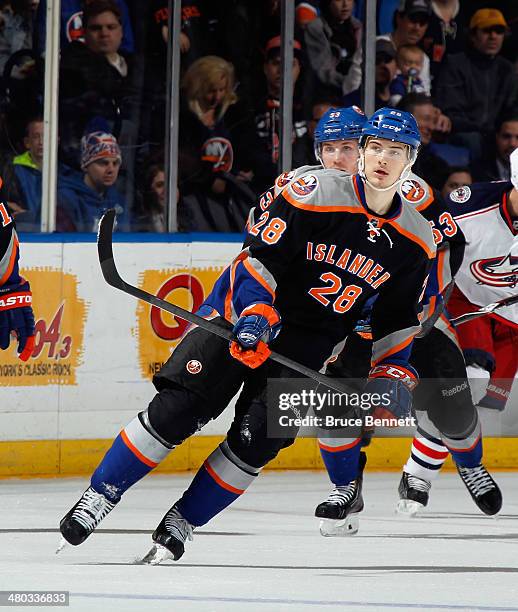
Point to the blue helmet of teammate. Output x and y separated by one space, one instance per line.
340 124
395 125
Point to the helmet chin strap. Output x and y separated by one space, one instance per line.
405 173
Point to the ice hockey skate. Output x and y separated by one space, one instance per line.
169 538
84 517
339 512
482 488
413 494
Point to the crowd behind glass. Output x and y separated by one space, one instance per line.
452 64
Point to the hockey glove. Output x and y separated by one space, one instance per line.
17 318
258 325
394 385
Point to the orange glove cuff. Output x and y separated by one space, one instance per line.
251 358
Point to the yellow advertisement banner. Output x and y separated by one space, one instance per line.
60 316
159 332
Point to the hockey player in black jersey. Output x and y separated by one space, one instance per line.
16 316
310 263
450 417
436 352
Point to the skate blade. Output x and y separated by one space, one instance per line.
340 528
62 544
408 507
156 555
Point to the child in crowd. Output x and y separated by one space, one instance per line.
410 59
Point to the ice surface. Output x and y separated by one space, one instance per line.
265 553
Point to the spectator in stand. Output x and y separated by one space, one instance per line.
410 23
457 177
333 47
150 216
267 118
386 70
495 165
193 33
445 33
410 60
16 29
428 165
95 76
215 141
83 198
22 178
72 24
476 86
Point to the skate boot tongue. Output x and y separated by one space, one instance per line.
482 488
84 517
413 494
169 538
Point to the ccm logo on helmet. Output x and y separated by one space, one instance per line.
15 300
391 127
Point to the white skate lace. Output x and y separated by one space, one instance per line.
91 509
418 483
342 494
477 479
177 526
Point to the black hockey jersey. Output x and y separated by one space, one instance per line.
317 253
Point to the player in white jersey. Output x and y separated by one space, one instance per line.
487 213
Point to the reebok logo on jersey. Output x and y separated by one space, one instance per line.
305 185
461 194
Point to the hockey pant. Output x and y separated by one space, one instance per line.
490 343
194 386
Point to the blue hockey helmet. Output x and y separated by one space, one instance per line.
392 124
340 124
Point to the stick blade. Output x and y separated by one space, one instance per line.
104 236
105 250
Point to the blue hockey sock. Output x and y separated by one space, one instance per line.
466 452
220 481
133 454
341 456
468 457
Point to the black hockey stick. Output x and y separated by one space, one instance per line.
113 278
468 316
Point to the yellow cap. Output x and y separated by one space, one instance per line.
485 18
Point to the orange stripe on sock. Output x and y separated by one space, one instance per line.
465 450
136 452
221 482
335 449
